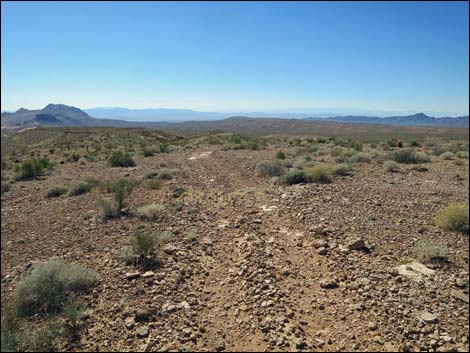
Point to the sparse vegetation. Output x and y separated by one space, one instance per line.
391 166
121 159
432 251
454 218
32 168
447 156
153 211
52 285
341 169
269 169
56 191
295 177
319 174
79 187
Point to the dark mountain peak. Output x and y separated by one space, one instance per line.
62 109
21 111
420 115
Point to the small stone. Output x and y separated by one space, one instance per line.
322 251
356 244
428 317
329 284
372 326
132 275
142 331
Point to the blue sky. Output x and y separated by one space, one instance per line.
232 56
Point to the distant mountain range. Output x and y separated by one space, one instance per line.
63 115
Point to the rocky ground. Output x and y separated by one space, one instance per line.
312 267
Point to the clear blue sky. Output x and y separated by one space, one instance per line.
229 56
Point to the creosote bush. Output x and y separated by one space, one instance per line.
454 218
32 168
341 169
318 174
295 177
269 169
121 159
391 166
79 187
447 156
56 191
153 211
50 286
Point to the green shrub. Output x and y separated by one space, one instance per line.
122 189
153 184
107 209
280 155
268 168
318 174
422 157
431 251
404 156
165 174
447 156
462 154
342 169
18 339
56 191
50 286
437 150
32 168
79 187
121 159
360 158
151 212
415 144
294 177
391 166
336 152
454 218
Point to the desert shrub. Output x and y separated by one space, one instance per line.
52 285
32 168
153 184
79 187
454 218
121 159
431 251
122 189
391 166
108 211
268 168
280 155
74 157
148 152
422 157
336 152
462 154
17 339
447 156
437 150
404 156
356 145
318 174
142 247
56 191
166 174
360 158
415 144
294 177
459 162
151 212
341 169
